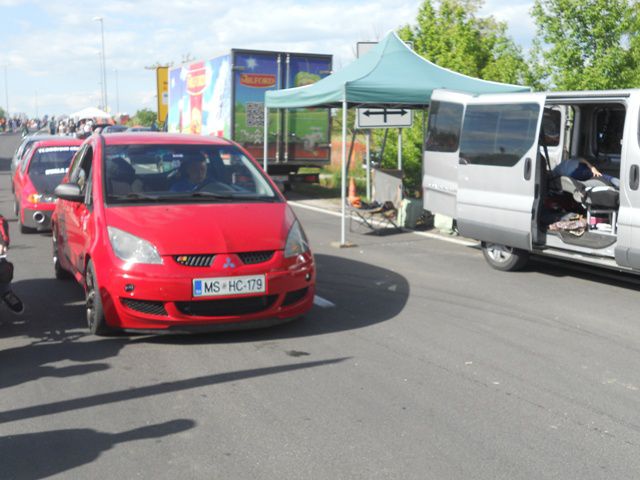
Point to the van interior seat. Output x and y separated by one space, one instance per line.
592 193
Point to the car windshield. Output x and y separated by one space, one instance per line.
182 173
49 165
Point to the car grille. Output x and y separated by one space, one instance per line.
295 296
145 306
195 260
250 258
227 307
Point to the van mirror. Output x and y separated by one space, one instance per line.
69 191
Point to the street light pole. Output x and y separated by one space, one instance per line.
104 64
6 89
117 92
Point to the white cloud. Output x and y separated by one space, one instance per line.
61 55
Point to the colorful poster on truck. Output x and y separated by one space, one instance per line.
308 129
200 98
254 74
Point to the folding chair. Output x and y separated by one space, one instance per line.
387 193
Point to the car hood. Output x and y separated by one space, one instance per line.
200 229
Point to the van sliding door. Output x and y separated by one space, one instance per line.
441 149
497 168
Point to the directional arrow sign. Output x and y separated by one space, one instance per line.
384 118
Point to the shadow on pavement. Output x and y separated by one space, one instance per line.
153 390
363 295
54 310
40 455
54 319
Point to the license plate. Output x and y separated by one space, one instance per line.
215 287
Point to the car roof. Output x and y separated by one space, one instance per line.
57 142
161 138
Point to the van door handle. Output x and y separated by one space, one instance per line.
634 177
527 169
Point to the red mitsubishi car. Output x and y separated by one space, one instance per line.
34 180
178 233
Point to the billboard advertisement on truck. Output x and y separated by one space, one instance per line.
224 96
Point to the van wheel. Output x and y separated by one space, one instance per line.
93 304
504 258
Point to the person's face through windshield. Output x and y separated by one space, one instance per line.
197 171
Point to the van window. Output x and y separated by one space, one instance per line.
443 134
609 127
498 134
551 120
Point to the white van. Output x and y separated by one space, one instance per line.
497 164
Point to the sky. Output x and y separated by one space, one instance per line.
50 51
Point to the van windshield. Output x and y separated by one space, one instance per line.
182 173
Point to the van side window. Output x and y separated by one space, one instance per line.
551 120
609 128
498 135
443 134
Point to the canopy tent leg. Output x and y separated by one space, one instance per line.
399 149
265 146
343 182
368 155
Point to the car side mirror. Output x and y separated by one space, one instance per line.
69 191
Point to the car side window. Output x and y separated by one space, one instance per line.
82 168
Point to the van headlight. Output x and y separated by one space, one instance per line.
132 249
296 241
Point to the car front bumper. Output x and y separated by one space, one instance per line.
165 302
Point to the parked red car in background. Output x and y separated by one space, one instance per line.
179 233
35 179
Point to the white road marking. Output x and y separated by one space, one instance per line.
323 302
435 236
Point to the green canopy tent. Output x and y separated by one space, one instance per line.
389 75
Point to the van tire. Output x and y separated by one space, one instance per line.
506 259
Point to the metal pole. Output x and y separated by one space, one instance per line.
368 157
117 92
104 66
6 89
343 182
399 149
265 146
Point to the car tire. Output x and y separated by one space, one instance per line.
506 259
61 273
24 229
93 304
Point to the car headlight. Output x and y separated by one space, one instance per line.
296 241
132 249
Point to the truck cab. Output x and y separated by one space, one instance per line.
554 174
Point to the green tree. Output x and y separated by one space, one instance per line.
450 34
2 114
588 44
144 117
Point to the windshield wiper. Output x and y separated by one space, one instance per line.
134 196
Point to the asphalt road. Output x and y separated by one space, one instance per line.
426 364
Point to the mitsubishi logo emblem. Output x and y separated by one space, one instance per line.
229 264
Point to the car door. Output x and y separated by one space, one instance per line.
498 167
441 152
74 224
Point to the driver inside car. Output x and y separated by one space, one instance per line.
193 174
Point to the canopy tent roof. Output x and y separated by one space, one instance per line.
90 112
389 74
